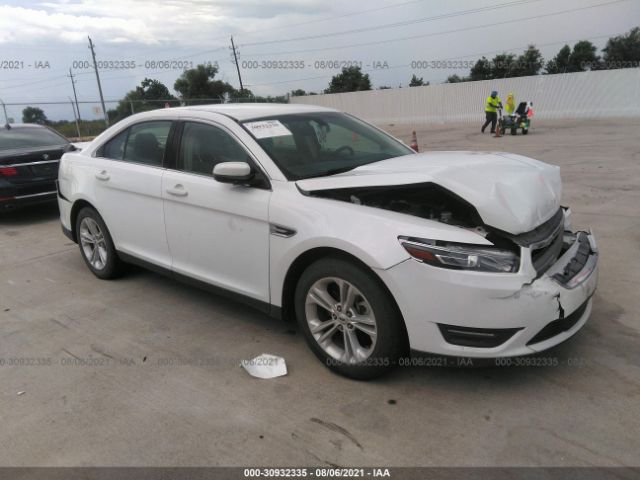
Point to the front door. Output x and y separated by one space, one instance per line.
217 232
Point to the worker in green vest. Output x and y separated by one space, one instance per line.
491 111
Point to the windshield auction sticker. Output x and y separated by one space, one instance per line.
267 129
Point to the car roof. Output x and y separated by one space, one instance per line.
247 111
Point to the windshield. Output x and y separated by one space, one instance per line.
29 137
323 143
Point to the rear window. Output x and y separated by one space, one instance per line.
18 137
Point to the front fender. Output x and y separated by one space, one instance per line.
368 234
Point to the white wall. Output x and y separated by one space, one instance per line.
607 93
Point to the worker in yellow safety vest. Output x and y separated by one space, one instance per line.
491 111
510 106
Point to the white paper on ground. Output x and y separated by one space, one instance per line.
265 366
267 129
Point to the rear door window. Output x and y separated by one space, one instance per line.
146 142
114 148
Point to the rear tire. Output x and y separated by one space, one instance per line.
514 131
349 320
525 131
96 246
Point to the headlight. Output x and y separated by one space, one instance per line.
460 256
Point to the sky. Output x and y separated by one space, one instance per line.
282 44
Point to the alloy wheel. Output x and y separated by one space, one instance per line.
341 320
93 243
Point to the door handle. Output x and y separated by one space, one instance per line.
178 191
102 175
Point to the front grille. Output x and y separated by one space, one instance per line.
546 256
541 234
545 242
476 337
560 325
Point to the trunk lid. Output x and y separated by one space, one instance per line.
32 164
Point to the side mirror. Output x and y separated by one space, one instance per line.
233 172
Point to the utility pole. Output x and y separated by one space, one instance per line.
77 108
95 67
75 116
233 47
4 107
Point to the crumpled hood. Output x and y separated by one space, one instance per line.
511 192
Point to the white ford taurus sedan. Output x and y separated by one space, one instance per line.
308 213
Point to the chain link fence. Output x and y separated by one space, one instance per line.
85 119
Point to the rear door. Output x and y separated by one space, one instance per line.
217 232
128 189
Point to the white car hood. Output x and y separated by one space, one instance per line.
511 192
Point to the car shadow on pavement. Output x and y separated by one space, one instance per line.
30 215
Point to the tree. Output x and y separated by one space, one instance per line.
34 115
298 93
384 87
149 95
244 95
583 57
200 82
529 63
623 50
454 79
559 63
480 71
417 81
503 66
351 79
269 99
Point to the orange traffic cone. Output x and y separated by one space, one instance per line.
414 141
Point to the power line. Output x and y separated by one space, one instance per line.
336 17
361 12
398 24
566 41
433 34
440 59
21 85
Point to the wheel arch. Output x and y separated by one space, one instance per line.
73 217
300 264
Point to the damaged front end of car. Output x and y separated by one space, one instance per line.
522 293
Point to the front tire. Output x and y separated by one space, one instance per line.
96 246
348 319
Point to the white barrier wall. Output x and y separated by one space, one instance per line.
606 93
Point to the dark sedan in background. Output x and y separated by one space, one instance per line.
29 158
